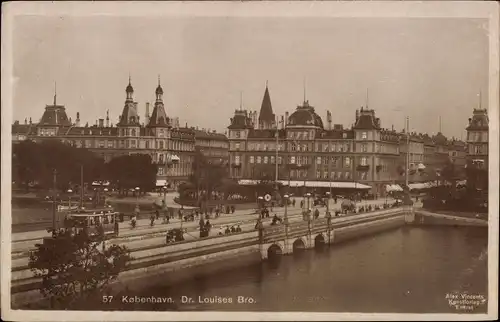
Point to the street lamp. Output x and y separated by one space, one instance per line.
260 202
137 189
69 199
286 197
308 211
105 196
328 195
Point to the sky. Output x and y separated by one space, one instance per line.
426 68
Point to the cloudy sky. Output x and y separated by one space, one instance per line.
422 67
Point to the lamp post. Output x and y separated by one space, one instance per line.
69 199
260 202
105 196
54 204
328 216
286 197
308 212
137 189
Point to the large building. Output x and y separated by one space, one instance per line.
171 147
307 150
477 138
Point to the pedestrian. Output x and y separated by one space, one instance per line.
157 214
233 209
238 229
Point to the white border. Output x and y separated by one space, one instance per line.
471 9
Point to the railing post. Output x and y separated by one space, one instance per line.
329 224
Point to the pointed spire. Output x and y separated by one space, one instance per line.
241 100
129 79
439 123
55 93
159 80
304 90
366 102
266 83
480 98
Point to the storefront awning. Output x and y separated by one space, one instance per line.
175 158
100 183
421 185
393 187
421 166
314 184
161 183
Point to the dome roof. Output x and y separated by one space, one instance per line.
129 88
159 90
305 116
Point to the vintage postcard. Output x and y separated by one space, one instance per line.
269 160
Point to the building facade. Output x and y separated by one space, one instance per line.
301 148
171 147
477 138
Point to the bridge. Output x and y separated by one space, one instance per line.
424 217
290 237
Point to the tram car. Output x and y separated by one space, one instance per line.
95 221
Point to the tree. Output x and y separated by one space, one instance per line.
130 171
208 175
35 162
73 269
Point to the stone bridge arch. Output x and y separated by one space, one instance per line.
273 250
300 243
320 240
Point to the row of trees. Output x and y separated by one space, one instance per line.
33 164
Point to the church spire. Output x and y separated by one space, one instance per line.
266 115
55 93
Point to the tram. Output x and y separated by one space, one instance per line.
96 222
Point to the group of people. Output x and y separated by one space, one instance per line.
228 230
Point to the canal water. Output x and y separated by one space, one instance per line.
406 270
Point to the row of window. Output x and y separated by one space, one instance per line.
477 136
159 144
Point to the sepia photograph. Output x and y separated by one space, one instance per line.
249 160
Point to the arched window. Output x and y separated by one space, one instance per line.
133 132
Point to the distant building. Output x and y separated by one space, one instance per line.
171 147
477 138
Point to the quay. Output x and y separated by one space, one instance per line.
154 261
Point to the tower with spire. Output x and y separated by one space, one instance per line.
267 119
158 121
128 124
53 119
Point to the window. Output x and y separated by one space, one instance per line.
259 159
237 159
325 147
272 160
265 147
318 160
110 144
364 147
237 133
364 135
363 161
344 135
266 159
318 174
477 149
316 147
292 160
258 147
348 175
346 147
251 159
325 160
161 145
332 175
101 144
363 175
304 147
237 145
332 147
325 175
293 147
133 132
279 160
347 162
161 171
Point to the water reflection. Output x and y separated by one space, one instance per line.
405 270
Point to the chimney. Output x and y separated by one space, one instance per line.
282 122
286 117
25 121
30 121
147 113
101 122
107 118
77 122
70 121
357 115
329 120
